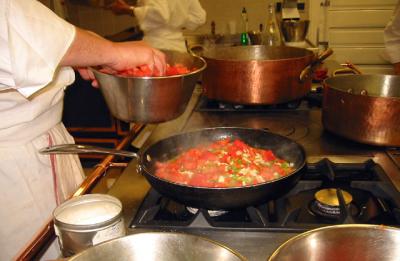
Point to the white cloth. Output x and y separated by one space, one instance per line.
33 40
162 21
392 37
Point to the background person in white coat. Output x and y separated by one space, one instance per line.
392 39
162 21
37 51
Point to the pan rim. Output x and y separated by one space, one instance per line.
253 186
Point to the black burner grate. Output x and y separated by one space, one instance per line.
375 201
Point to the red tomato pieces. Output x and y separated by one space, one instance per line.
223 163
145 71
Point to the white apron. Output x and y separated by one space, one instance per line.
162 21
33 40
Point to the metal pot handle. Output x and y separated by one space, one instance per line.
350 69
193 47
76 149
306 72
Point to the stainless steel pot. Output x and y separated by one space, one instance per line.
363 108
294 31
256 74
159 246
342 242
151 99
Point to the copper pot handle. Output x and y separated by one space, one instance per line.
350 69
191 49
306 72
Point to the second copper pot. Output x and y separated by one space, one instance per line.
363 108
256 74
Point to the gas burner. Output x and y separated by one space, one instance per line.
211 213
327 204
329 197
210 105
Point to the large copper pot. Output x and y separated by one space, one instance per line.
363 108
256 74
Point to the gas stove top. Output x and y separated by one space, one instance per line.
312 99
327 194
344 182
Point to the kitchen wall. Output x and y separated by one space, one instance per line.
224 12
90 15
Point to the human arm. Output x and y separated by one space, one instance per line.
196 15
120 7
36 42
89 49
178 14
33 41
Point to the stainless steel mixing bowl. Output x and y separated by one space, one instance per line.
159 246
344 243
294 31
151 99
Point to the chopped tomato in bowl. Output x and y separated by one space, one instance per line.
223 164
146 71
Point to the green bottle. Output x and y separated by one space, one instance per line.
244 37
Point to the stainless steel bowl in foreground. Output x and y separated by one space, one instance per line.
342 242
151 99
159 246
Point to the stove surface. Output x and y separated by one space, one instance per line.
318 199
369 174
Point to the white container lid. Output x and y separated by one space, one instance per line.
88 209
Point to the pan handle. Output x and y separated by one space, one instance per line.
350 68
306 72
76 149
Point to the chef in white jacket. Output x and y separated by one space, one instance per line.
37 49
162 21
392 39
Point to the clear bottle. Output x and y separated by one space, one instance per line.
272 36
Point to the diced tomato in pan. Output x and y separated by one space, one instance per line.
223 163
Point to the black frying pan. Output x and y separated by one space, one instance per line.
211 198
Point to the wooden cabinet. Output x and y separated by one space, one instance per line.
354 30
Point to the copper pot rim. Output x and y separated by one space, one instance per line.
342 86
308 54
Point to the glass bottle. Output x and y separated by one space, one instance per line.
272 32
244 37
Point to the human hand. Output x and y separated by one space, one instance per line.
120 7
87 75
125 55
135 54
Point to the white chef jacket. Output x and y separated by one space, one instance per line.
33 40
162 21
392 37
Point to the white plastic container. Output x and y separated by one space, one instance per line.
87 220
